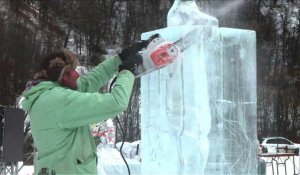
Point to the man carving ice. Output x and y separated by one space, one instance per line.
61 105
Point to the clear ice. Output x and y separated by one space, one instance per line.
199 113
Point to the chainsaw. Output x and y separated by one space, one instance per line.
160 53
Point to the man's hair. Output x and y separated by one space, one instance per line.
55 64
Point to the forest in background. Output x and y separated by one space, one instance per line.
96 28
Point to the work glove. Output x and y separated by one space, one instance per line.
128 53
132 63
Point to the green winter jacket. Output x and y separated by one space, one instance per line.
60 117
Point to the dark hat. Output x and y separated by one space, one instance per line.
56 64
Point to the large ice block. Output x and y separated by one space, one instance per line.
232 90
199 113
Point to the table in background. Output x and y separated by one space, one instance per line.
277 157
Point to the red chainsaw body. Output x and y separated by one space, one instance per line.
158 54
164 54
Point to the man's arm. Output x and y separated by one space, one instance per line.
87 108
98 76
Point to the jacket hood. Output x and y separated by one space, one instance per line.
32 94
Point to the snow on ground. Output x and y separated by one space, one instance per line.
28 170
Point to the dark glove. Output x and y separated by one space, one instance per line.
132 63
136 47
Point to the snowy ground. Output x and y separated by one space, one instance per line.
28 170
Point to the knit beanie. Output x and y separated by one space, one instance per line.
56 64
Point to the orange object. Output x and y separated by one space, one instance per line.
165 54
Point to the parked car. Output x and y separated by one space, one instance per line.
278 145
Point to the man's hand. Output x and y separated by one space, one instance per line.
132 63
128 53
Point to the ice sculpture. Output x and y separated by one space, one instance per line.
199 113
186 12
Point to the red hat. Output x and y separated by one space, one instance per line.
56 64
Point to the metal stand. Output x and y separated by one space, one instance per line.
9 168
280 159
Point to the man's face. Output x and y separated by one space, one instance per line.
69 79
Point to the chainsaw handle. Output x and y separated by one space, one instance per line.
152 37
148 41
